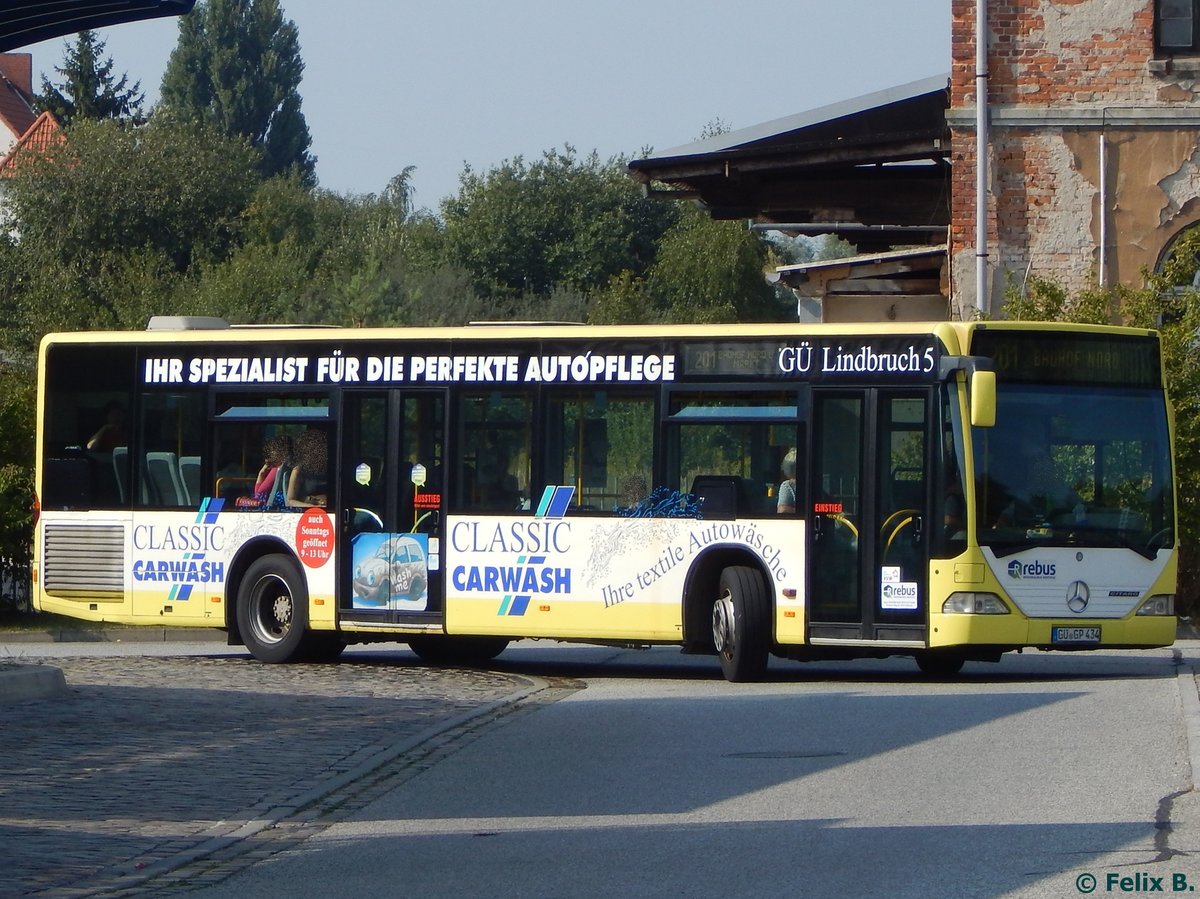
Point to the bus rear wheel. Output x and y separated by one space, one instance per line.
742 624
272 609
457 650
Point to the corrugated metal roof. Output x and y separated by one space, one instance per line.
875 168
778 129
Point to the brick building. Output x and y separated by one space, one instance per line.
1093 155
1093 137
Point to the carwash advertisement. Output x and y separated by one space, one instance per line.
560 575
179 563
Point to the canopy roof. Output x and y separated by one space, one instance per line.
25 22
874 169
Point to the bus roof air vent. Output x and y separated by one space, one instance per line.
186 323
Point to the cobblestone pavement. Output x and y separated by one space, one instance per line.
152 764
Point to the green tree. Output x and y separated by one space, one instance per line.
90 89
111 217
561 221
625 300
237 67
713 271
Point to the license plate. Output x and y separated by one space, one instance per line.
1074 635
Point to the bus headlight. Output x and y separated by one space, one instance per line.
1158 604
974 604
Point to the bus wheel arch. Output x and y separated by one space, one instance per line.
246 556
272 608
703 589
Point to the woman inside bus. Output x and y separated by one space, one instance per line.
269 484
307 482
786 503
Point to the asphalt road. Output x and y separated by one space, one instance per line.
841 780
587 771
584 771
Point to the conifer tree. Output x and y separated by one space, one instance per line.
237 67
89 89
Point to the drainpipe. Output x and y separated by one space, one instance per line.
982 295
1103 202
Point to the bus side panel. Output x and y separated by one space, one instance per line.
601 578
171 568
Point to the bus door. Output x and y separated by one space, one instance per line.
392 506
869 539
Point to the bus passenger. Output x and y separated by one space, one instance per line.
307 482
269 486
787 488
112 432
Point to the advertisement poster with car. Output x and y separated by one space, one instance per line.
391 572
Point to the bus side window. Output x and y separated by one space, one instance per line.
601 443
729 449
171 434
495 441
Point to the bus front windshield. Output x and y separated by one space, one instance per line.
1075 466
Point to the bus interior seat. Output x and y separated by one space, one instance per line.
279 490
724 496
165 482
120 462
189 473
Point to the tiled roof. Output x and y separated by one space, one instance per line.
43 133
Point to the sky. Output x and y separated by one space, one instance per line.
441 85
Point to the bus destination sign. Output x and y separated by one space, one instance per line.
817 359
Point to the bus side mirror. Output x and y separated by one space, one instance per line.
983 399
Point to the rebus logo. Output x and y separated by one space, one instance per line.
1035 569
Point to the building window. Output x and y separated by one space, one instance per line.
1175 26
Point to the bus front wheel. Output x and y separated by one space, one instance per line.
742 624
272 609
939 664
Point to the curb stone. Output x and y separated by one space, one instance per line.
18 682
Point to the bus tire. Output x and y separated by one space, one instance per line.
272 609
457 650
939 664
322 646
742 624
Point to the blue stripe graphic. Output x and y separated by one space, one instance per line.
554 503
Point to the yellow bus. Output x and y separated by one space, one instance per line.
945 491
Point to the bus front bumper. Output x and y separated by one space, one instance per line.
1133 631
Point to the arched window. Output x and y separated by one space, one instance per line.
1180 258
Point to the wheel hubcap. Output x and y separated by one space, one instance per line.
273 609
723 632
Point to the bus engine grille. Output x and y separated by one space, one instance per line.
83 558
